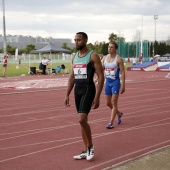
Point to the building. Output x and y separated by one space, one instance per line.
20 41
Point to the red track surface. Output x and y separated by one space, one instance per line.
38 133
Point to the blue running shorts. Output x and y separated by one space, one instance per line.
112 86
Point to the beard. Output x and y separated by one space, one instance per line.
80 47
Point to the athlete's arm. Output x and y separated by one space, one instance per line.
104 58
70 86
102 61
122 70
99 71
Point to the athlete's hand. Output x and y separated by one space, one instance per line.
66 101
122 90
95 103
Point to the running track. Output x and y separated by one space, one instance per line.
37 132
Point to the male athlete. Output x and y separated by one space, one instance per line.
113 66
84 64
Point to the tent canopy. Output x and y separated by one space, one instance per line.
157 55
166 55
49 48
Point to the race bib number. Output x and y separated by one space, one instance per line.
110 72
80 71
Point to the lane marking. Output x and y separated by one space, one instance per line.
104 134
71 114
60 127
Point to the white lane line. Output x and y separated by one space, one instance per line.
71 114
146 124
143 126
32 91
41 130
59 127
35 91
104 134
94 121
43 150
40 104
40 143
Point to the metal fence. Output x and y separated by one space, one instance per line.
33 58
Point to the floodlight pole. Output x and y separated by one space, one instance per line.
4 27
152 49
155 18
141 37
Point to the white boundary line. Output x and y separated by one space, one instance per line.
129 154
137 157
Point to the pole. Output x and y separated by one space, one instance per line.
136 43
29 70
141 37
4 27
51 70
155 18
153 49
119 43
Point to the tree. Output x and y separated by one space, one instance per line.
112 37
104 50
168 41
29 48
90 46
1 50
21 51
65 46
10 49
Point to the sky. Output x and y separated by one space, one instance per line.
98 18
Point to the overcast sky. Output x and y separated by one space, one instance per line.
98 18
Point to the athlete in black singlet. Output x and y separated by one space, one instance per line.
84 64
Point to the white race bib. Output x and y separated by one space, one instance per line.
110 72
80 71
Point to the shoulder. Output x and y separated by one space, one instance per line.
104 57
72 57
119 59
118 56
94 56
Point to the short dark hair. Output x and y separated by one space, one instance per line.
83 34
114 43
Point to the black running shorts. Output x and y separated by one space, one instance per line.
84 96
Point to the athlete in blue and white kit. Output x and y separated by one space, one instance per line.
113 65
84 64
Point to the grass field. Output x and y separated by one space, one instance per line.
20 69
16 69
